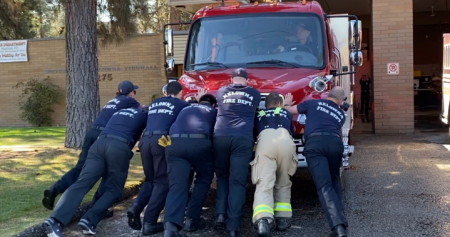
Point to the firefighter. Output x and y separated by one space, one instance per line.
233 148
161 115
108 157
303 33
275 161
124 99
190 146
323 151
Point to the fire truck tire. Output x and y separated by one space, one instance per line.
350 137
341 177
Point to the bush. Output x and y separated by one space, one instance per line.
155 96
37 99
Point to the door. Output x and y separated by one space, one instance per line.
446 81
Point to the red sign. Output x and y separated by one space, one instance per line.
393 69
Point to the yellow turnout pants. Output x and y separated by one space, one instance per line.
275 161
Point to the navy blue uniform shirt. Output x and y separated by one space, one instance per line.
321 116
285 118
127 123
163 112
365 86
195 119
119 102
237 107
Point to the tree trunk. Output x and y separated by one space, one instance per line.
175 17
82 99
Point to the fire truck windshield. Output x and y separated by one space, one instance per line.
259 40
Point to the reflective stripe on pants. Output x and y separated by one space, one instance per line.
283 209
274 163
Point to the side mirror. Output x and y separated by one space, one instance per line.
355 34
168 41
169 65
356 58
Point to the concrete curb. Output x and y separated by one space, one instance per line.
39 230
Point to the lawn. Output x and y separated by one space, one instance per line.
26 172
48 136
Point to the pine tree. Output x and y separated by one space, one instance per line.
24 19
17 20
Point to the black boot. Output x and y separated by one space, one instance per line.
49 197
150 229
194 225
220 222
339 231
134 218
283 223
109 213
231 233
264 227
171 230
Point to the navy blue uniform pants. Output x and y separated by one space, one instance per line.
183 154
154 190
232 157
324 157
72 175
108 157
365 102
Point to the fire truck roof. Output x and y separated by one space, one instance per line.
214 10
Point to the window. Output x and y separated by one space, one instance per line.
241 40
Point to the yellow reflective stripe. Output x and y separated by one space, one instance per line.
283 209
282 206
262 113
277 110
262 208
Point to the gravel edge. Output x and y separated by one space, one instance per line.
39 230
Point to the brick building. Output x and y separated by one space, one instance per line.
408 32
139 60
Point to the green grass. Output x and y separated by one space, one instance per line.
26 173
49 136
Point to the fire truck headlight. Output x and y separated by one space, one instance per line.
282 97
188 98
301 119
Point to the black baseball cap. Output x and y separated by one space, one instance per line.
240 72
126 87
208 98
304 25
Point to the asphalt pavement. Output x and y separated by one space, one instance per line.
397 186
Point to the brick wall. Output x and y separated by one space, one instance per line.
393 42
139 60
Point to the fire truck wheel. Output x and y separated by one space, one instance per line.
350 137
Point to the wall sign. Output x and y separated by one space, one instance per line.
13 51
393 68
109 69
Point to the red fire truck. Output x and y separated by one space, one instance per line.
264 37
446 81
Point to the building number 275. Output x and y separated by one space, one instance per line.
103 77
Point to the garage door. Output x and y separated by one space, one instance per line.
179 45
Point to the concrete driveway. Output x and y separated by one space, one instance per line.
397 186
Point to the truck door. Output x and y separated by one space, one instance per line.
446 81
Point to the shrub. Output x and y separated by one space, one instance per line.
37 99
155 96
